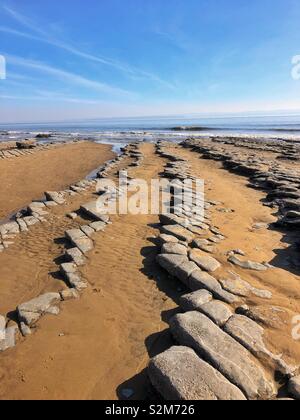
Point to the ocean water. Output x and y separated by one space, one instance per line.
121 131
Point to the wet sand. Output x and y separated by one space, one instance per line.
102 343
26 178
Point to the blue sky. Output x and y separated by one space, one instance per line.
71 59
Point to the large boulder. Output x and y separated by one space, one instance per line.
179 374
197 331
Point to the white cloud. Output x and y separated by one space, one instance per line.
44 37
67 76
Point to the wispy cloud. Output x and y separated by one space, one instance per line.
46 96
44 37
67 76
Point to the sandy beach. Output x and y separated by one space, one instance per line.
26 178
99 346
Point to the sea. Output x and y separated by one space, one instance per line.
121 131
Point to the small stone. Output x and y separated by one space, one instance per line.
69 294
25 330
2 327
72 216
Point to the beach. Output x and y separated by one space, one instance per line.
26 178
98 345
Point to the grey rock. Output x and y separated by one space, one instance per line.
204 245
10 338
80 240
195 330
88 231
22 225
2 327
202 280
193 301
166 239
72 215
69 294
205 262
179 374
217 311
172 248
179 232
251 336
239 287
250 265
25 330
57 197
185 270
68 268
30 220
30 312
170 262
98 226
53 310
92 209
294 387
76 255
75 281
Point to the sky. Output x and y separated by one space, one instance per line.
76 59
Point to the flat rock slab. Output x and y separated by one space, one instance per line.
197 331
92 209
179 232
204 245
217 311
172 248
98 226
179 374
294 387
248 265
239 287
202 280
10 339
185 270
80 240
31 311
205 262
251 335
57 197
166 239
170 262
194 301
76 255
